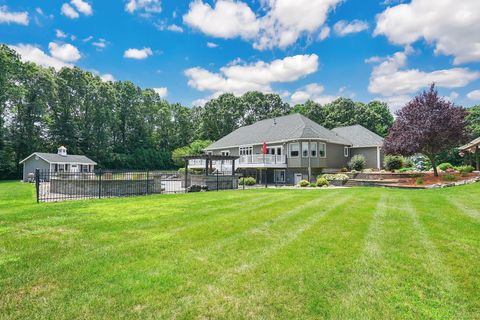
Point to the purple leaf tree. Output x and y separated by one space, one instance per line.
428 124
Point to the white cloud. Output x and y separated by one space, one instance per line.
138 53
69 12
34 54
474 95
107 77
395 102
87 39
312 91
324 33
343 28
175 28
60 34
65 52
287 20
212 45
283 23
162 91
83 6
13 17
227 19
388 79
239 78
100 44
450 25
147 6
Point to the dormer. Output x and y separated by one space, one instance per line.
62 151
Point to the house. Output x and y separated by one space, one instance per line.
473 150
296 148
56 162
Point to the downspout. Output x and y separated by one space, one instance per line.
309 161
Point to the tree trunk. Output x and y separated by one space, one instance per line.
434 165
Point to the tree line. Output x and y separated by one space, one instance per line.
120 125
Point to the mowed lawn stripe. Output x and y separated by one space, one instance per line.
393 274
264 245
457 237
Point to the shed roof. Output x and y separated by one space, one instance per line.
56 158
285 128
471 144
359 136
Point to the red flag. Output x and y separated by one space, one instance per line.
264 148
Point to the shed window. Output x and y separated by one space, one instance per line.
345 151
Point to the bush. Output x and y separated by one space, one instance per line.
358 162
419 181
408 163
449 177
444 166
335 177
248 181
312 184
304 183
406 170
322 182
465 169
393 162
344 170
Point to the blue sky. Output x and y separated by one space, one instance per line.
316 49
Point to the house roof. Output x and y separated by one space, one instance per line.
359 136
471 144
56 158
290 127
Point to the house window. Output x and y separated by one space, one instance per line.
294 150
345 152
279 175
274 150
322 150
225 152
304 149
246 151
313 149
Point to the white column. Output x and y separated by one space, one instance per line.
379 165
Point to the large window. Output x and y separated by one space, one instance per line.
322 150
294 150
246 151
304 149
313 149
225 152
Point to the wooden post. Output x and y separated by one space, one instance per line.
186 176
477 158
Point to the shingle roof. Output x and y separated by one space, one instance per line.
471 144
359 136
290 127
56 158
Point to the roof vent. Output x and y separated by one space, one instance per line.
62 151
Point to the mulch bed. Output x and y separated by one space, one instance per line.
430 179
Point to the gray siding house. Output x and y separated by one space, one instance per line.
56 162
297 148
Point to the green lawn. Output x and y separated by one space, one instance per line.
271 254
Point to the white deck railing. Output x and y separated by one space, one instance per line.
263 159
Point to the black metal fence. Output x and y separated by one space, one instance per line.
60 186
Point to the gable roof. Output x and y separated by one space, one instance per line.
471 144
359 136
290 127
56 158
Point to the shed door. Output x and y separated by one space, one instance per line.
298 177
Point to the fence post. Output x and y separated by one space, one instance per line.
217 179
148 180
100 183
37 184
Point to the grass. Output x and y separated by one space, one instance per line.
271 254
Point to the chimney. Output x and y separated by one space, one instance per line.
62 151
